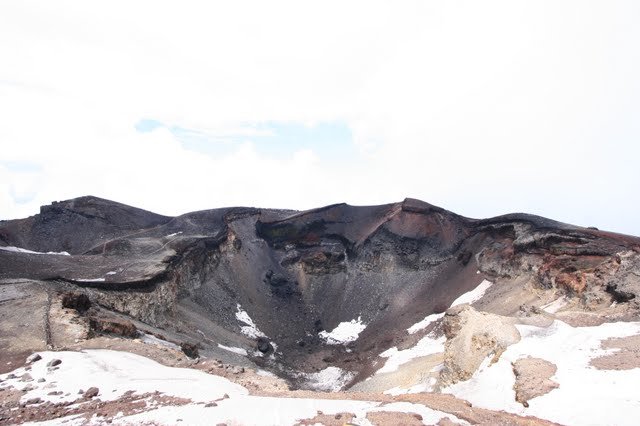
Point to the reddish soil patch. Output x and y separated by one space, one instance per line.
533 378
388 418
626 358
339 419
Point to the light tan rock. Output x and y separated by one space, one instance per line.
473 336
533 378
626 356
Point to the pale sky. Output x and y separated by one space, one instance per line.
480 107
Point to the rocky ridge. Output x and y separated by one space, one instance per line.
263 288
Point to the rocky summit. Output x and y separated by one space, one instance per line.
402 313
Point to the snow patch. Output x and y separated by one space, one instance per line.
613 394
331 379
90 280
474 295
235 350
468 297
150 339
114 373
424 323
428 345
250 329
21 250
345 332
173 235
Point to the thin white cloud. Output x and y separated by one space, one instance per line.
481 107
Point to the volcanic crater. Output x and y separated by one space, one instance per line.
314 296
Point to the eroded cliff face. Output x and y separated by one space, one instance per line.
281 285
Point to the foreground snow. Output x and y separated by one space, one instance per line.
586 396
116 372
279 411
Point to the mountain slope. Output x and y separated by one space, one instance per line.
326 298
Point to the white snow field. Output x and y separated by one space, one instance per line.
586 395
115 372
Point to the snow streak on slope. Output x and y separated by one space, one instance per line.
473 295
153 340
586 396
468 297
345 332
233 349
424 323
21 250
250 329
429 344
426 346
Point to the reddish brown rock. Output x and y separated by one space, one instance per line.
91 392
113 325
533 378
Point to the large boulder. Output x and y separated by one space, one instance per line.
533 378
473 336
113 325
78 301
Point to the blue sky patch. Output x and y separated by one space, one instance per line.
329 140
22 166
146 125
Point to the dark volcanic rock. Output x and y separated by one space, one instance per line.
190 350
112 325
33 358
54 362
78 301
77 225
91 393
278 278
264 345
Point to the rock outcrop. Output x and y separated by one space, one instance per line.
113 325
533 378
473 337
268 281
